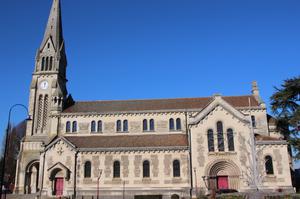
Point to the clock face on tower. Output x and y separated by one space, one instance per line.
44 85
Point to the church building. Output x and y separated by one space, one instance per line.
135 149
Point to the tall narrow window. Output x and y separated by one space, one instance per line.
40 112
51 62
125 125
253 121
74 126
99 126
171 124
47 64
145 125
152 125
93 126
119 125
230 139
43 64
269 165
45 111
87 169
176 168
116 169
146 169
178 124
220 136
68 126
210 140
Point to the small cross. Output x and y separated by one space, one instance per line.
60 150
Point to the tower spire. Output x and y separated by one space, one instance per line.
54 27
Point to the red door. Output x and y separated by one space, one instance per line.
59 186
222 182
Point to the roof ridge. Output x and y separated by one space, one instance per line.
157 99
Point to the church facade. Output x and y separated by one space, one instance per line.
163 148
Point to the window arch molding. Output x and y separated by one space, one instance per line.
176 168
178 124
87 169
74 126
171 124
68 126
146 169
210 140
220 135
268 160
145 125
99 126
116 169
230 139
93 126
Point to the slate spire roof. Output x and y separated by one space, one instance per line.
54 27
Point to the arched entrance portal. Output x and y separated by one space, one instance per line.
58 175
223 174
32 177
57 178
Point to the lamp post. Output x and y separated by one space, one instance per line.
6 142
98 182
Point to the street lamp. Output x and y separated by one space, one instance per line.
6 142
98 181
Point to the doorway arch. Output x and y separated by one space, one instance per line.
32 177
223 174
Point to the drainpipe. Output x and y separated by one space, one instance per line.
43 170
187 126
75 172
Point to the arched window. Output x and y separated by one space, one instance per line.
93 126
253 121
176 168
87 169
119 125
152 125
125 125
116 169
146 169
51 62
47 64
74 126
68 126
210 140
230 139
99 126
171 124
269 165
220 136
145 125
178 124
43 64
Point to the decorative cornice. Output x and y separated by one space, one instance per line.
131 149
272 142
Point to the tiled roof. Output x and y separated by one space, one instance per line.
154 104
129 141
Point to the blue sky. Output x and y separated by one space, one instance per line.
137 49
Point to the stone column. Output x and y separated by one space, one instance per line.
33 179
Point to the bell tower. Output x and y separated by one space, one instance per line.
48 87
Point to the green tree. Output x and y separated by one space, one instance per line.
285 106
